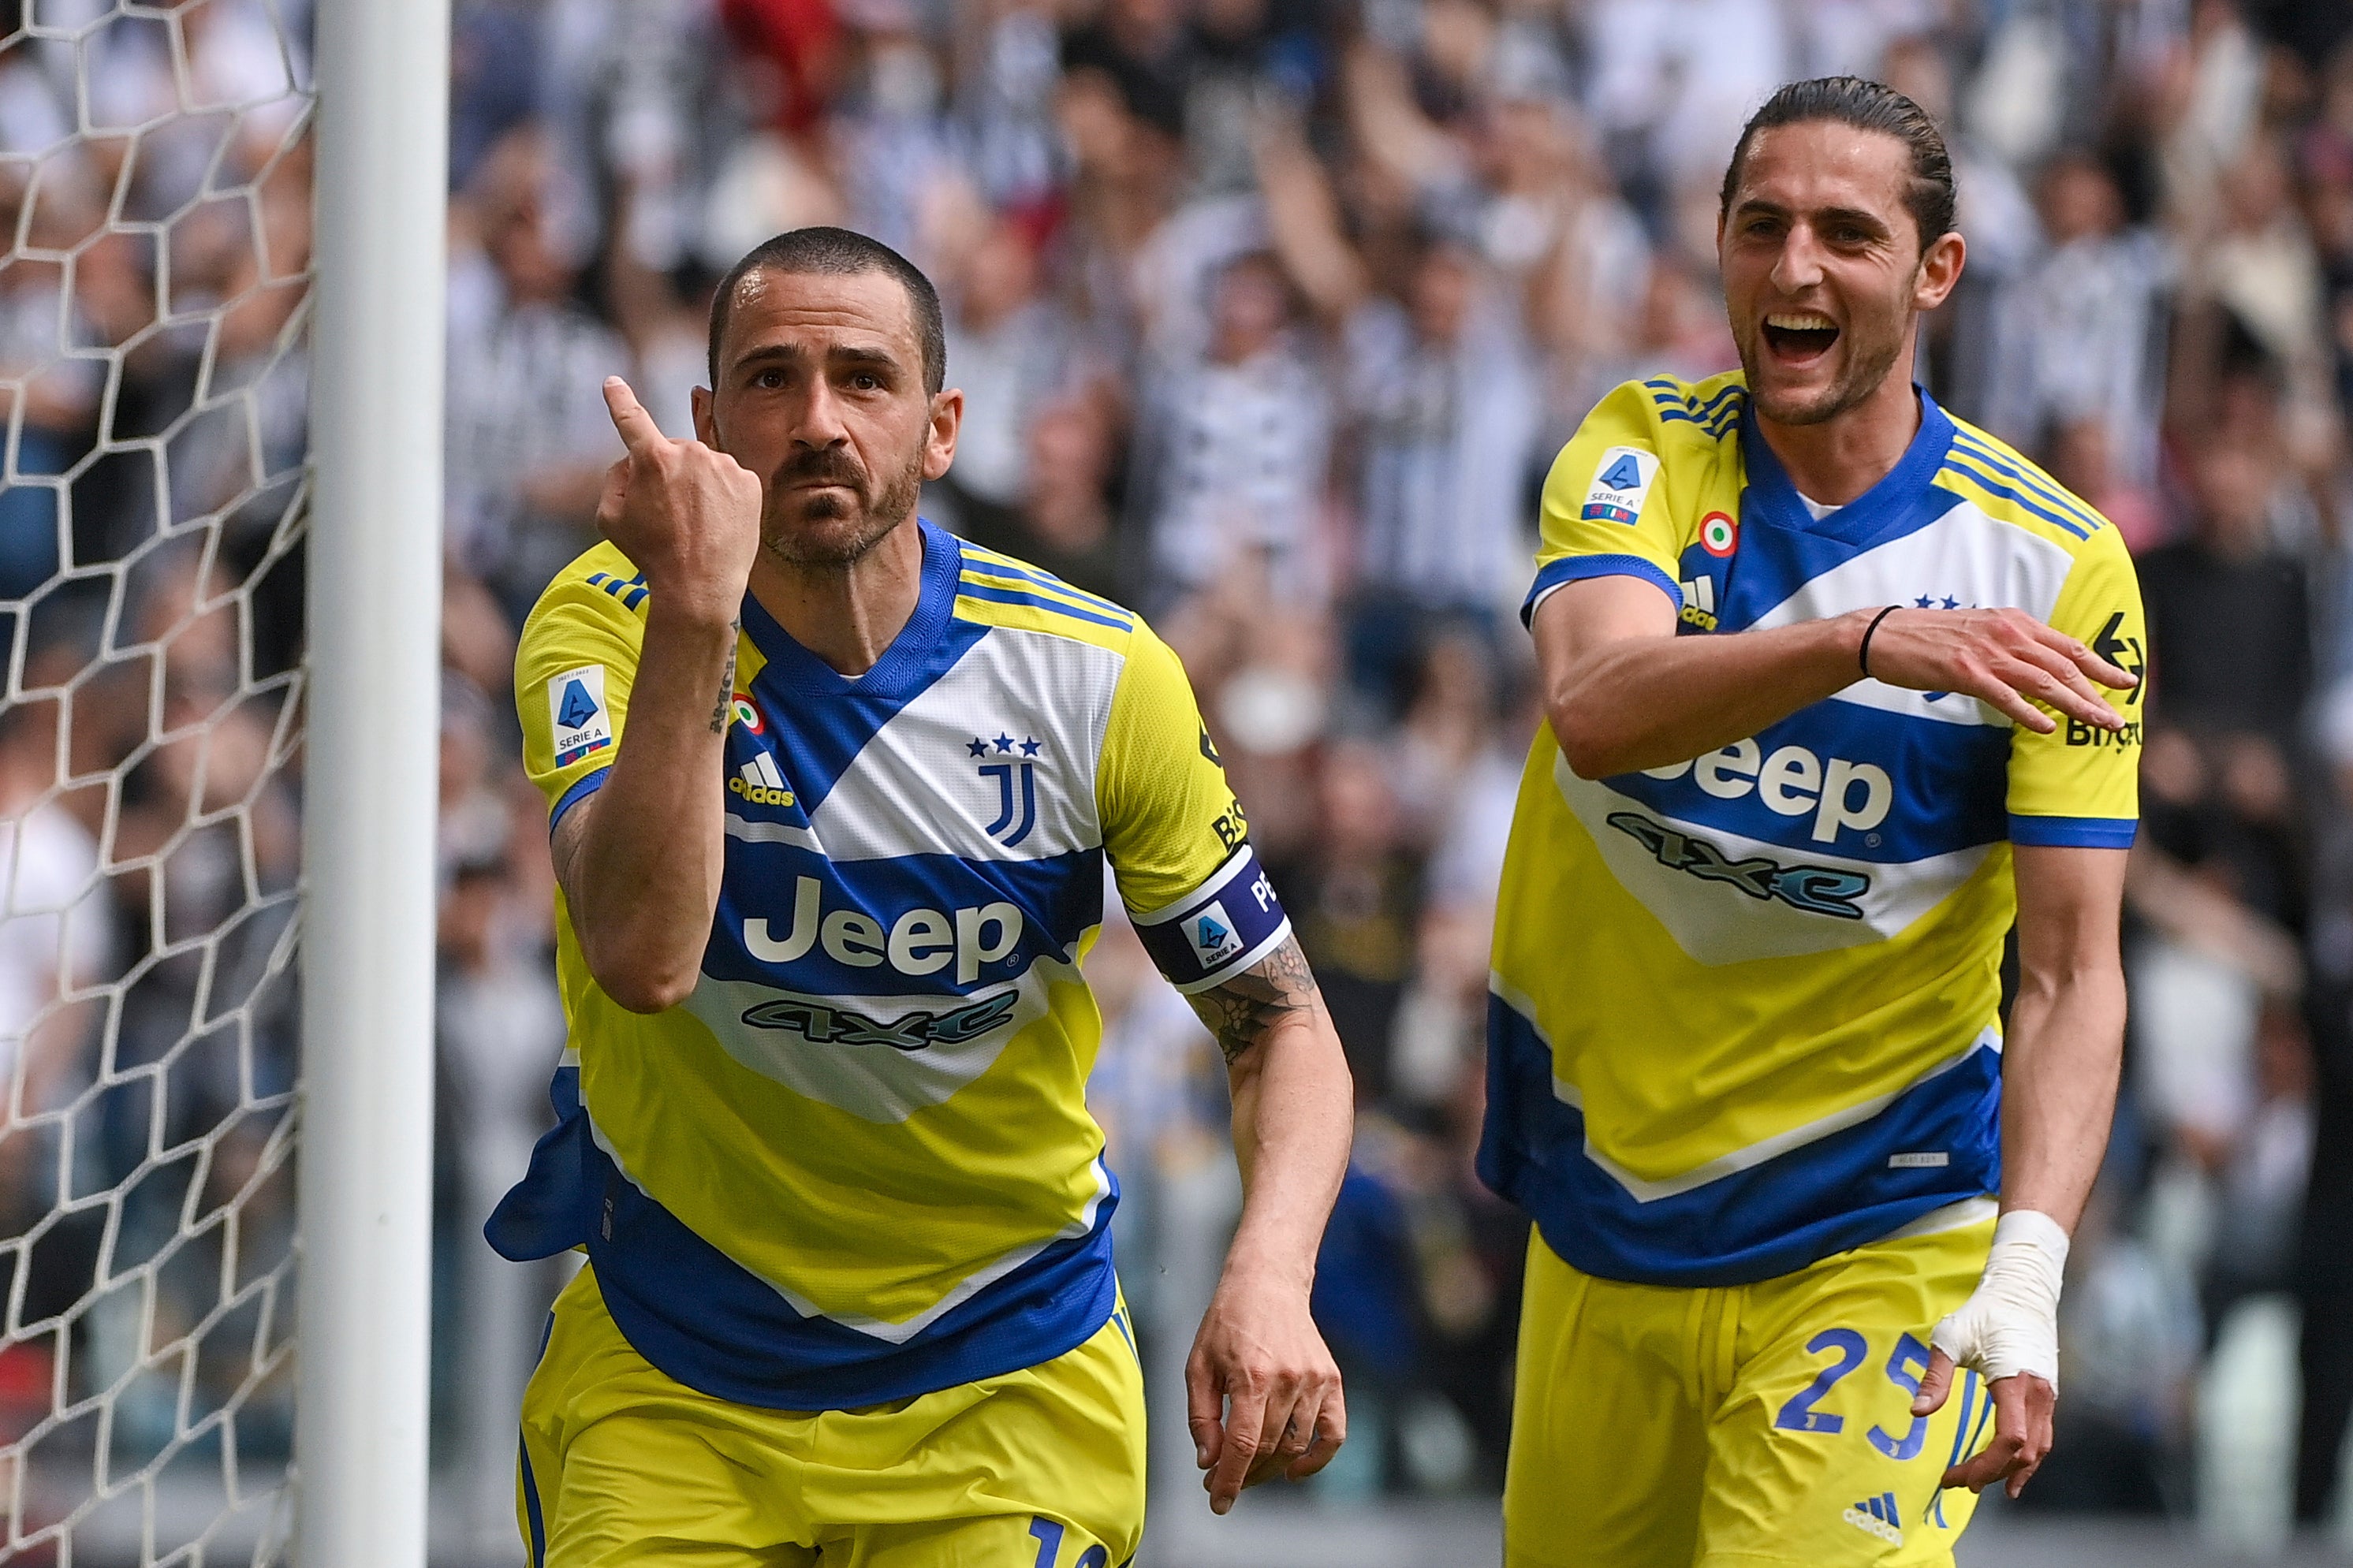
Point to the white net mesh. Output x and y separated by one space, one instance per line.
155 187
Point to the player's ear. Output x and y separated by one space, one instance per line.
1941 270
706 419
940 441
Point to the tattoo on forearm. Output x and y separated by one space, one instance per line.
563 848
1244 1010
719 715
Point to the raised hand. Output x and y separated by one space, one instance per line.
686 515
2005 658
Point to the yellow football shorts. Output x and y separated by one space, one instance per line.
622 1465
1658 1427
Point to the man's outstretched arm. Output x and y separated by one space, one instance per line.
2064 1051
1624 692
1262 1391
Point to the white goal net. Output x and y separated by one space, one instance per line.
155 186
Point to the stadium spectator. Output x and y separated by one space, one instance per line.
2082 336
529 440
2228 609
1353 897
1237 443
1441 402
1012 344
1064 522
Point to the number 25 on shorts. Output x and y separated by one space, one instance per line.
1905 1366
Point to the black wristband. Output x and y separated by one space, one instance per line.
1862 654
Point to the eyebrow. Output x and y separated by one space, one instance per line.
1862 216
839 353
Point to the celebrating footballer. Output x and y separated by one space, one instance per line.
831 793
1839 688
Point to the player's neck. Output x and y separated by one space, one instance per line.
1837 460
847 616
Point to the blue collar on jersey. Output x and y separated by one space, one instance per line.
1772 498
905 663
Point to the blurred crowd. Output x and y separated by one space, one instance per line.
1269 315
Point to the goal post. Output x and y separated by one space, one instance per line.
366 1159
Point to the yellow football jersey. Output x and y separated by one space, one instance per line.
1744 1010
856 1165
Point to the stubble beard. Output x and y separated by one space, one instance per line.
826 533
1869 362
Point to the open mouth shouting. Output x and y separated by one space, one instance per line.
1799 337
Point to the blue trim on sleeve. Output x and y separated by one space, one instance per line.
996 595
581 790
2032 479
1975 466
992 565
2074 832
1577 568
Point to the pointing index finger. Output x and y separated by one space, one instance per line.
630 416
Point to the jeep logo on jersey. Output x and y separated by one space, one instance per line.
920 941
1817 889
823 1025
1792 782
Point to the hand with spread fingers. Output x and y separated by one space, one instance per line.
687 515
2005 658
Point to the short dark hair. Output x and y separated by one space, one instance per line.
1866 106
839 252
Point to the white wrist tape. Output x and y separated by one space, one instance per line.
2009 1324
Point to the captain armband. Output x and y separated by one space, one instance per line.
1219 929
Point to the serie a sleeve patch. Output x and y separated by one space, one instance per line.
579 723
1621 481
1218 929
